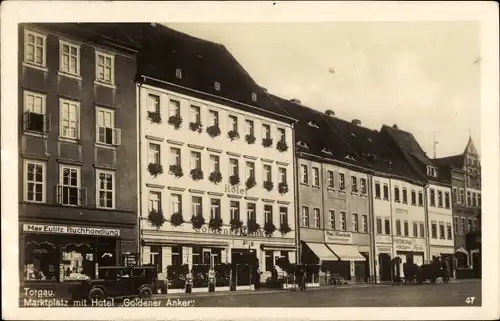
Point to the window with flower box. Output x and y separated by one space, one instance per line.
268 175
233 167
174 108
215 163
234 209
154 201
195 114
196 205
251 215
213 118
266 131
268 213
153 104
195 160
175 203
282 175
154 153
215 209
251 170
283 215
233 123
175 156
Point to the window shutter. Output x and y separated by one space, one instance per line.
26 120
59 191
117 136
83 196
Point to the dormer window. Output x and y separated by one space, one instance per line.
302 144
350 156
313 124
178 74
431 171
217 86
254 97
327 151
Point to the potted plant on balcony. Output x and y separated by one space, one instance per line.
154 116
215 224
267 142
155 169
236 224
234 179
176 219
232 134
196 126
213 131
215 177
196 174
250 139
156 218
285 228
268 185
197 221
175 121
283 188
282 146
176 170
250 183
252 226
269 229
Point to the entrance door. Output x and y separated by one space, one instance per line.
384 262
476 264
207 257
242 260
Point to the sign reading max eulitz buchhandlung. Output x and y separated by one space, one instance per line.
61 229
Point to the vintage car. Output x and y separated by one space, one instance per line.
118 281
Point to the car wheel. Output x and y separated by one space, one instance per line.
145 292
96 294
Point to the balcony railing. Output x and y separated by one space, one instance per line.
71 195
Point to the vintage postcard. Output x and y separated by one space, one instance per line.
163 158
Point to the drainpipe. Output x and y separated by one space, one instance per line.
427 228
139 171
296 203
393 227
371 221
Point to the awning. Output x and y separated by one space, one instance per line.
322 252
346 252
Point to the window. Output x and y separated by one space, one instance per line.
396 194
282 175
479 200
105 65
469 225
331 183
331 219
455 195
251 170
267 173
175 156
305 216
377 190
455 224
283 215
214 208
281 135
215 163
398 227
342 181
365 223
195 160
474 199
387 226
434 230
343 221
431 171
217 86
469 198
413 197
462 196
415 229
446 199
315 172
386 192
34 181
175 203
249 128
35 48
154 153
269 260
195 114
69 61
34 117
106 131
105 189
213 118
420 198
474 225
155 258
178 73
355 222
174 108
362 181
154 201
317 218
441 230
405 196
233 167
354 184
68 190
379 225
268 213
176 255
462 225
234 209
233 123
196 205
432 197
449 233
422 229
153 104
266 131
406 228
304 177
251 212
440 198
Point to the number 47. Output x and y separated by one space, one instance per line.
470 300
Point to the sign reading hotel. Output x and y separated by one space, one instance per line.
407 244
77 230
338 237
235 189
243 231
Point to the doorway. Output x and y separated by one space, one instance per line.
243 262
384 262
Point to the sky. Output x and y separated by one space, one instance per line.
422 76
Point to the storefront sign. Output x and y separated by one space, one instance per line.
237 232
235 189
58 229
130 259
405 244
384 249
338 236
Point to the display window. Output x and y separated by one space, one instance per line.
41 261
77 261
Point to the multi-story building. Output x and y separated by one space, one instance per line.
333 204
215 159
437 195
464 173
77 144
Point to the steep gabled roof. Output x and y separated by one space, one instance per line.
453 162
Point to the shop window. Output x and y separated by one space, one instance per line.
41 260
156 257
196 255
78 261
269 260
216 256
461 260
177 255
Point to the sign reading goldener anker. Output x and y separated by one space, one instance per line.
77 230
338 236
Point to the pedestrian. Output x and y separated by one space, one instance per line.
257 278
303 277
211 279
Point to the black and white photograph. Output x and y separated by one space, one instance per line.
250 155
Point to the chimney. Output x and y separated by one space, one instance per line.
356 122
395 126
264 89
330 113
295 101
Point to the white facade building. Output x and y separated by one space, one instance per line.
190 149
440 220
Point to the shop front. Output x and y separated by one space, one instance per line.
446 254
383 261
408 250
473 244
